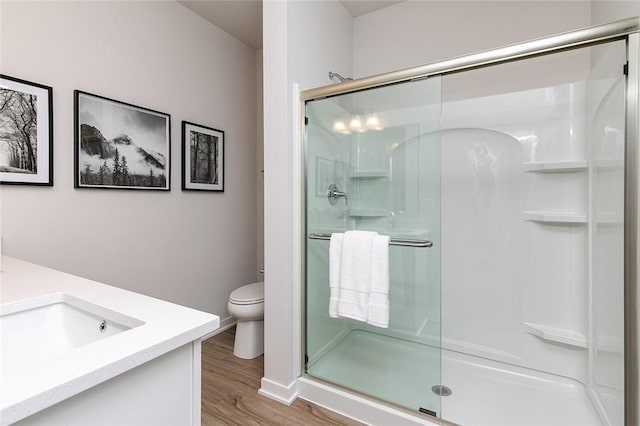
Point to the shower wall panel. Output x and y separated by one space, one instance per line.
550 262
532 230
514 265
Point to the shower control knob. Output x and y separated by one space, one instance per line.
333 194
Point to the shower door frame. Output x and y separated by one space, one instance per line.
626 29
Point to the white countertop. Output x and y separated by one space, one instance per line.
167 326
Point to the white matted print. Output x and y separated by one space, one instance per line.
202 158
119 145
26 132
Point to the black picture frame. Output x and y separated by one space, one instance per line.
118 145
26 132
202 158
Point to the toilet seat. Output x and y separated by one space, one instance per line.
249 294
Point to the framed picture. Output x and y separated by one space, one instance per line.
26 132
119 145
202 158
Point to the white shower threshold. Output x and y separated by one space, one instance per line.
484 392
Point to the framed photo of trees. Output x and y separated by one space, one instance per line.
119 145
203 158
26 132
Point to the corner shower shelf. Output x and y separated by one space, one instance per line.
369 174
554 217
555 166
558 335
367 213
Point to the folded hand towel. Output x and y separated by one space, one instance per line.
378 309
355 275
335 255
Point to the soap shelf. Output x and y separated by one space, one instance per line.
569 166
369 174
558 335
367 213
555 166
554 217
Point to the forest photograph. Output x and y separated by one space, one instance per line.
25 132
203 152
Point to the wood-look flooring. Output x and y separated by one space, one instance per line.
230 392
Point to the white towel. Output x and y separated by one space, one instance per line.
355 275
335 255
379 291
359 277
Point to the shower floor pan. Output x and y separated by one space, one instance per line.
484 392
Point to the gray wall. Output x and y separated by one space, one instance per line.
192 248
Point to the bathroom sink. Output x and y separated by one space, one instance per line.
51 326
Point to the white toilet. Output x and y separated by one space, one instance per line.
246 304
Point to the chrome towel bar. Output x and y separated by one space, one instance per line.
394 241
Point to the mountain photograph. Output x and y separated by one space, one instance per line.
120 145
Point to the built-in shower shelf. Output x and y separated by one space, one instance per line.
555 166
368 213
554 217
369 174
557 335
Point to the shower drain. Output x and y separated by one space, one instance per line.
441 390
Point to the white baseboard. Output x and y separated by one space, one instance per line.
357 407
283 394
225 324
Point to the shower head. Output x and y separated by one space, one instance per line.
339 77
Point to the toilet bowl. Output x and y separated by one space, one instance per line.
246 304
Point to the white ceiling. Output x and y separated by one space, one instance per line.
362 7
243 18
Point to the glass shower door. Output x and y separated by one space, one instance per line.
373 163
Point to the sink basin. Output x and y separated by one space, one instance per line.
53 325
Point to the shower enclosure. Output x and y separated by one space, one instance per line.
500 178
